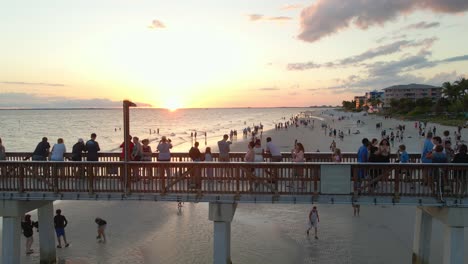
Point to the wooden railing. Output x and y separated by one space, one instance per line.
234 156
278 178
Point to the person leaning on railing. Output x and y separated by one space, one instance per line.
461 175
2 151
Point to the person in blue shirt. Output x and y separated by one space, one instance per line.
93 148
425 155
362 156
403 157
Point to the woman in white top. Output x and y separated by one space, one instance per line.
209 171
164 149
58 150
298 156
313 221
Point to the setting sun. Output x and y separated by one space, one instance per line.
172 104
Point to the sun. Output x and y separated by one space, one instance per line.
172 104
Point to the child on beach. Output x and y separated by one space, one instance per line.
313 221
101 228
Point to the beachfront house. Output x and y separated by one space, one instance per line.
412 91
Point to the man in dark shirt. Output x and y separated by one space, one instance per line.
60 222
92 146
78 150
42 150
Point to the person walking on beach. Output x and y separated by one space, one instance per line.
101 223
93 148
313 221
42 150
2 151
333 146
60 222
27 225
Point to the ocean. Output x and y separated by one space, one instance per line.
21 130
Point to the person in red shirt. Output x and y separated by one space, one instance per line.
130 149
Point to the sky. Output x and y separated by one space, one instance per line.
211 53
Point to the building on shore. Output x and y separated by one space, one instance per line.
412 91
360 101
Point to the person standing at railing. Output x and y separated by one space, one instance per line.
209 171
77 150
136 156
130 149
146 155
164 149
276 156
42 150
362 157
258 151
196 156
461 175
58 150
93 148
224 149
336 157
425 156
298 156
2 151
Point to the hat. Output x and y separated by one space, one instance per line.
80 140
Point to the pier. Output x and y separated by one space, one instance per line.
27 185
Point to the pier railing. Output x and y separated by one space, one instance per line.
236 178
234 157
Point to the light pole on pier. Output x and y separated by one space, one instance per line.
126 119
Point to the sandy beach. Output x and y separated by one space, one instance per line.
156 232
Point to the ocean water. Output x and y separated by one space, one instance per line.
21 130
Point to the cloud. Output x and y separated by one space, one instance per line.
268 89
255 17
454 59
155 24
32 83
25 100
422 25
258 17
327 17
382 50
280 18
291 6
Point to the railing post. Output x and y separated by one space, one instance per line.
396 195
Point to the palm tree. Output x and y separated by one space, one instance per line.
452 92
462 84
